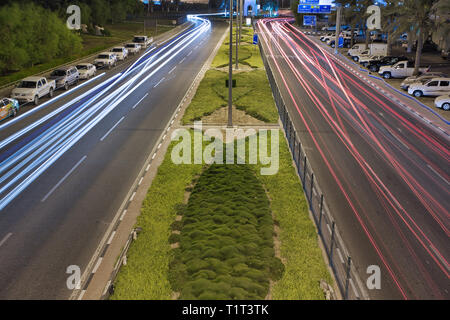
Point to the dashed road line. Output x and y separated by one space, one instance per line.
64 178
140 100
172 70
110 130
437 173
5 238
159 82
97 265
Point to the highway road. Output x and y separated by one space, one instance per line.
66 169
384 172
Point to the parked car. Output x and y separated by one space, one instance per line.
133 48
434 87
106 59
322 38
445 54
443 102
143 41
368 59
401 69
8 108
375 66
359 55
359 47
31 89
421 78
86 70
121 53
65 77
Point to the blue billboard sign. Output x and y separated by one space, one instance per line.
309 1
313 8
309 20
325 9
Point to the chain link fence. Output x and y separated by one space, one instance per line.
340 261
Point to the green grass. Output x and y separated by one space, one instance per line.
120 32
146 276
248 53
304 266
252 95
226 243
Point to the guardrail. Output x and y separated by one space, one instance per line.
122 260
340 261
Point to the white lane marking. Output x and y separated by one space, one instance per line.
159 146
107 287
398 139
140 181
354 288
81 295
329 229
340 255
172 70
440 258
111 237
132 196
148 168
438 174
123 215
110 130
189 54
140 100
159 82
64 178
5 239
196 47
182 60
154 155
99 261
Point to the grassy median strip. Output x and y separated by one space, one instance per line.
226 248
147 273
252 95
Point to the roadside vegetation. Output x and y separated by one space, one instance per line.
252 93
226 241
225 231
35 39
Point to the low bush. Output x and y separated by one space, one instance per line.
219 244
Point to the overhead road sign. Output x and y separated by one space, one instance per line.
309 20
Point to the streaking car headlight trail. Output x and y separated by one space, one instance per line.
28 161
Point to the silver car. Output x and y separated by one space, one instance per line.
65 77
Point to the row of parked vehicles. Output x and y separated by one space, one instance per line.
32 89
374 57
427 83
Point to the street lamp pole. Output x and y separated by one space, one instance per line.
237 33
230 71
338 29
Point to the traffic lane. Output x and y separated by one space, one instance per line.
81 208
122 66
399 117
426 177
321 130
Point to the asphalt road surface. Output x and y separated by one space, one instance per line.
63 176
384 172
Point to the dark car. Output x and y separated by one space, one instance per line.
347 43
375 66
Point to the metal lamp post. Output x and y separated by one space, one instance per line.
230 71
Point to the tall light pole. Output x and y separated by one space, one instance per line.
338 28
237 33
230 71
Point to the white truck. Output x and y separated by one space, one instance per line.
401 69
143 41
31 89
375 49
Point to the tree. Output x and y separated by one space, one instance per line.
419 17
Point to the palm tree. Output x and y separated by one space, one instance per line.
418 16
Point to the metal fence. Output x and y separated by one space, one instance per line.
345 273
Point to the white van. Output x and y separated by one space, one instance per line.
434 87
